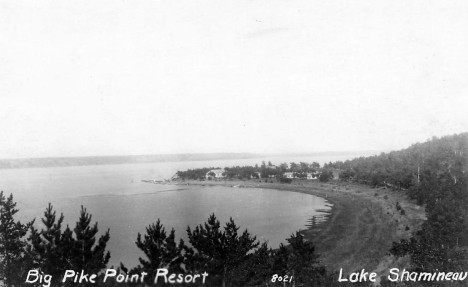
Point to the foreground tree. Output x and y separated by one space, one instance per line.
220 253
14 261
229 257
302 260
161 251
54 251
50 248
260 266
299 260
87 255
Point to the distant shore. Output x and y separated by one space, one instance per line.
111 160
359 231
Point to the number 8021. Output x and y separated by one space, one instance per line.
286 278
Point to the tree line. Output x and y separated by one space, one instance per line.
265 170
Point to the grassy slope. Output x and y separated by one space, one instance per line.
362 226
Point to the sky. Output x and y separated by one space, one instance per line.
86 78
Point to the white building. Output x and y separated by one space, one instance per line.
289 174
218 173
313 175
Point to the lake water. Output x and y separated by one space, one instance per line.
121 202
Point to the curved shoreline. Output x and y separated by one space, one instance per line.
361 225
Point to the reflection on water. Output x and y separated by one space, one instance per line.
118 200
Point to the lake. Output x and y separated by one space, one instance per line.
121 202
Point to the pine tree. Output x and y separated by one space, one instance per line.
258 269
50 248
14 261
161 251
220 253
87 255
302 260
298 260
55 251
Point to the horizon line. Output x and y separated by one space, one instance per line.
305 153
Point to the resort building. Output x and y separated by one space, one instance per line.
289 175
218 173
313 175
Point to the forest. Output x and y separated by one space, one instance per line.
434 174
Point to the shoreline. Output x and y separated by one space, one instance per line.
360 227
